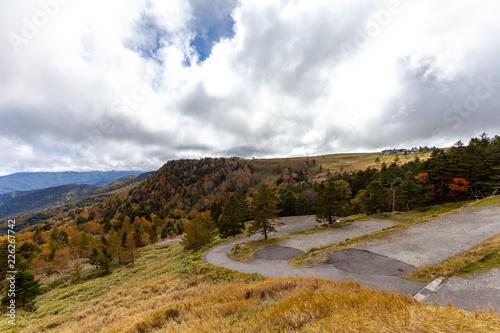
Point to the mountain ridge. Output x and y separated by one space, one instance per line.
118 186
37 200
26 181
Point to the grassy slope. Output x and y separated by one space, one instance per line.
360 161
346 162
170 291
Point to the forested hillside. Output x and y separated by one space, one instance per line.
11 195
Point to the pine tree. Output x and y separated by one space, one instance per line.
410 194
301 207
107 226
216 211
168 229
104 261
77 270
37 237
333 200
124 238
376 198
27 250
264 210
287 203
27 288
114 245
231 221
326 204
93 257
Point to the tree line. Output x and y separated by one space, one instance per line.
459 173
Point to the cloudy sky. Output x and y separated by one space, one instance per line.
131 84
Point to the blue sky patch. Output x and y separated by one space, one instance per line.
205 40
212 22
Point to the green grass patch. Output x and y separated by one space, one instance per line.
480 259
246 250
491 201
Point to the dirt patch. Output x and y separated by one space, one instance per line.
276 252
176 240
364 262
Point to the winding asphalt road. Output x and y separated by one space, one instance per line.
380 263
364 267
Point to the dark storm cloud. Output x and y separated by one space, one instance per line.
439 111
245 151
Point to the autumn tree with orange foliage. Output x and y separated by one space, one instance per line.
459 185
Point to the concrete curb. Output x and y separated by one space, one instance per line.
430 288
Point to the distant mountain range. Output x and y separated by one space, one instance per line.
40 180
37 200
55 200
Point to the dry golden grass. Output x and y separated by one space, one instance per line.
361 161
340 162
169 290
309 305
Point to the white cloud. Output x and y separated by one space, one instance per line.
106 85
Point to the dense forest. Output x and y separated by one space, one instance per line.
215 196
